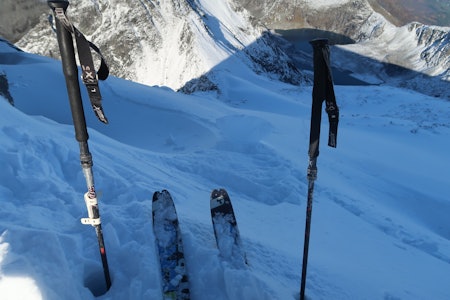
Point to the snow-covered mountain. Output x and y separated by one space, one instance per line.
414 46
170 43
415 56
184 44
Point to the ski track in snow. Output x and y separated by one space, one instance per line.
380 228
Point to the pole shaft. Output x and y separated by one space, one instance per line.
307 235
319 95
102 249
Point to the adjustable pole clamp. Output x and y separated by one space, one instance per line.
91 204
312 169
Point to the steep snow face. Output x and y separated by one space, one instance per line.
162 42
415 46
418 47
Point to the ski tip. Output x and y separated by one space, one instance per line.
159 194
162 203
155 196
216 193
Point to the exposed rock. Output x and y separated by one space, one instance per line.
4 88
19 16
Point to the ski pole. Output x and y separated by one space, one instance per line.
70 70
312 175
322 90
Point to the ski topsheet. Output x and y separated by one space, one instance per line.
170 247
226 229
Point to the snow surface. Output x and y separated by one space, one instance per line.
324 3
380 219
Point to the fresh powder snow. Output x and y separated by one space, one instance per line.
380 228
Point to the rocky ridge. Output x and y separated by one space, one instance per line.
168 43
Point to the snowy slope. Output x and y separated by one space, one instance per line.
380 227
424 49
418 47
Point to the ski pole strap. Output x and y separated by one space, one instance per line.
333 119
322 91
89 75
330 98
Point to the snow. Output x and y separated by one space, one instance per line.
402 46
380 227
324 3
206 34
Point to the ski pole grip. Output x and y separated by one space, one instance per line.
323 90
58 4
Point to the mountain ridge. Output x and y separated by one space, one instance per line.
167 43
179 44
414 56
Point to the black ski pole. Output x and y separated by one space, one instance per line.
70 70
312 175
322 90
